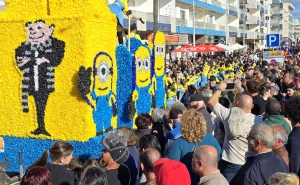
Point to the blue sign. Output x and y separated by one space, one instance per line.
273 40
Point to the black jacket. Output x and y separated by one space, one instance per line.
60 175
258 169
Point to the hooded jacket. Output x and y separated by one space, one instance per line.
278 119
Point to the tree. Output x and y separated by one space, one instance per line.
155 15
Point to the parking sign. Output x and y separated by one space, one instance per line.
273 40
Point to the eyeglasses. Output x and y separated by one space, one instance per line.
250 137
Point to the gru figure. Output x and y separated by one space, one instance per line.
37 58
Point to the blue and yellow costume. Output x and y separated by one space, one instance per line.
204 75
134 35
118 8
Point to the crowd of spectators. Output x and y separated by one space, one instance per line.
239 125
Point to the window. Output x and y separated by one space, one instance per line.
182 14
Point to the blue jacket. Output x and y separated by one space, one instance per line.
175 133
293 147
181 149
258 169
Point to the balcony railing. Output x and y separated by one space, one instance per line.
210 26
199 24
181 22
275 23
276 11
216 3
232 8
162 18
275 1
232 28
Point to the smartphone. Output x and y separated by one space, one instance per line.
230 86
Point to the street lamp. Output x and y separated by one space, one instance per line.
194 32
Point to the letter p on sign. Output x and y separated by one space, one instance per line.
273 40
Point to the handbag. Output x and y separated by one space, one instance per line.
190 154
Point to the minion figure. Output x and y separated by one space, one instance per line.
141 97
204 75
104 100
159 69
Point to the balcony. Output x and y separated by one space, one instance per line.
232 10
275 24
210 26
233 31
181 22
199 24
276 12
253 5
276 2
215 5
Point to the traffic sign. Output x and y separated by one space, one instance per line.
273 40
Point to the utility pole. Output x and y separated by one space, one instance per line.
155 15
244 25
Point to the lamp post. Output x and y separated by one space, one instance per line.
194 32
244 25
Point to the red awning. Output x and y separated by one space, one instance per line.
187 48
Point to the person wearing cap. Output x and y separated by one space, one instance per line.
197 102
175 114
194 134
171 172
205 164
114 153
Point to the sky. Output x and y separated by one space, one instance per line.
296 12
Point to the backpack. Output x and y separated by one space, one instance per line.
236 122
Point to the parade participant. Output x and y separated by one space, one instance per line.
133 32
118 7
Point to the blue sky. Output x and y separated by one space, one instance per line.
296 12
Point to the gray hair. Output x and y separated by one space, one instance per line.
158 115
264 133
280 133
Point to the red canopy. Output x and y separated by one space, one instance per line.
216 48
209 48
187 48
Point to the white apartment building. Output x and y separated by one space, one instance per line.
216 21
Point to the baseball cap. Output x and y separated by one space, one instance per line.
115 142
196 97
165 171
174 112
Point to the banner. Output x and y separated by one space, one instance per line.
274 56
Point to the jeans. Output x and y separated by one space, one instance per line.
228 170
